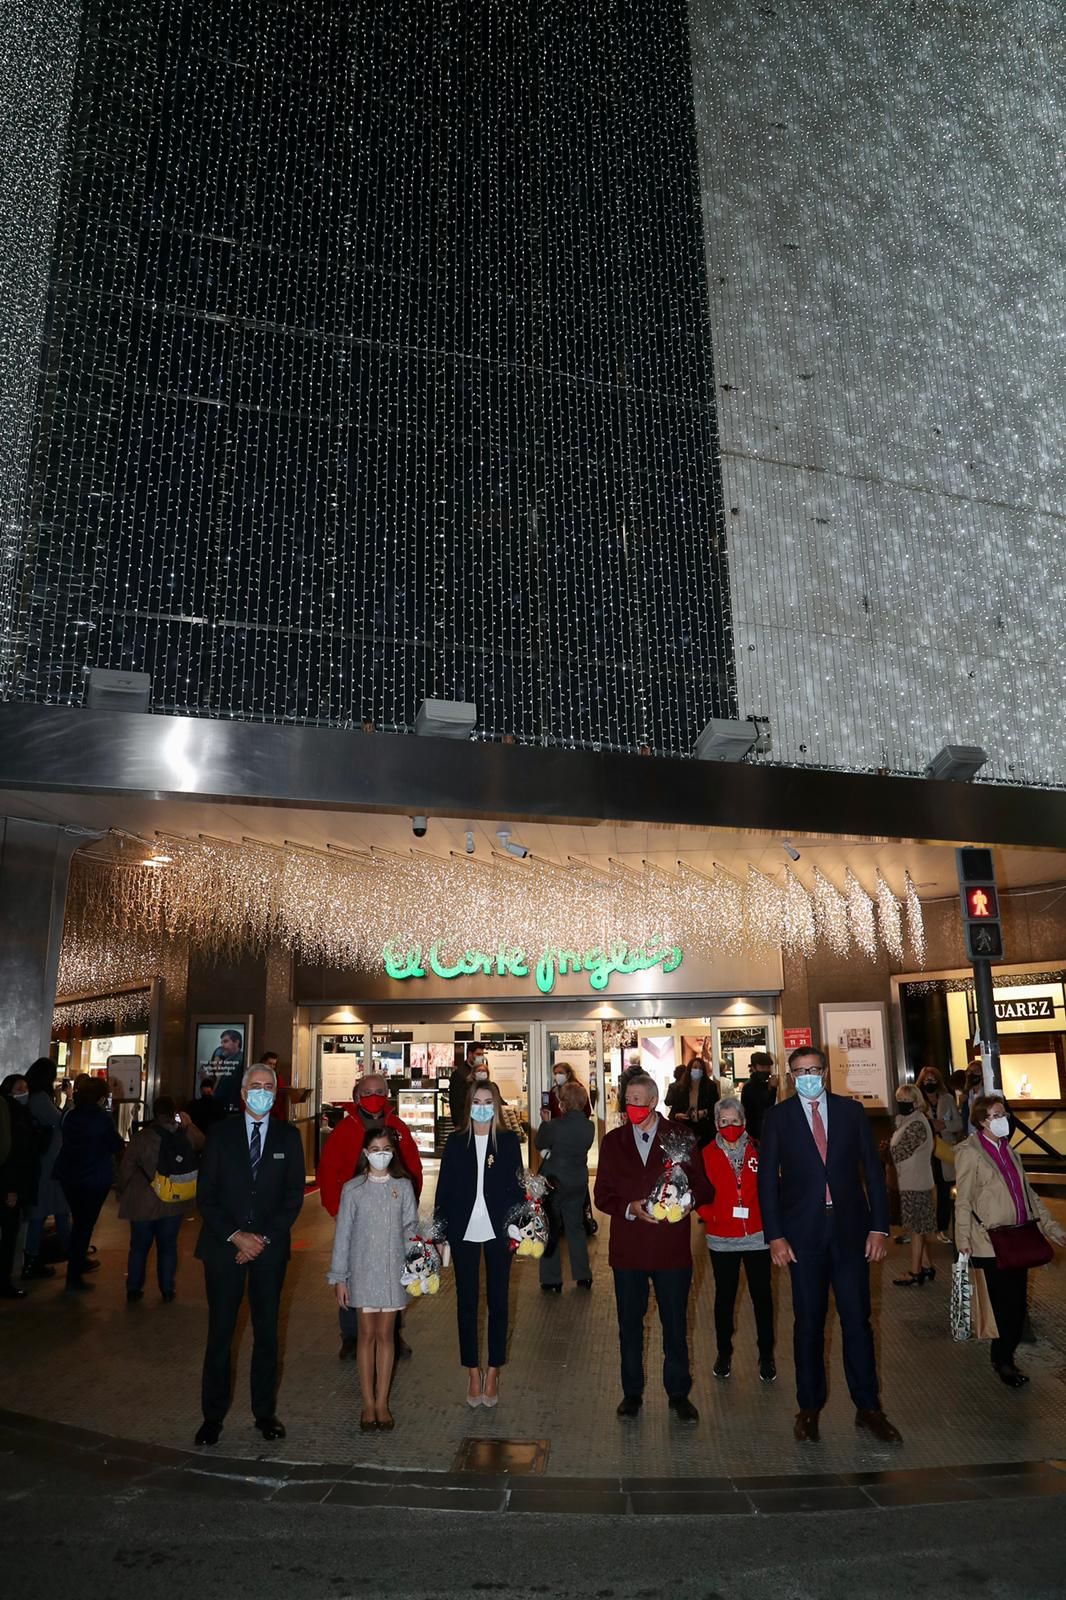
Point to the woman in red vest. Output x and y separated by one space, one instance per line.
735 1237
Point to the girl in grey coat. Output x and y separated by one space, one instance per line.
377 1220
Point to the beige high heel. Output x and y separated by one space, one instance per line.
490 1400
475 1400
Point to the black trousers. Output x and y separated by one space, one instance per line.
1008 1289
225 1283
85 1206
757 1268
671 1297
830 1263
943 1198
466 1259
10 1219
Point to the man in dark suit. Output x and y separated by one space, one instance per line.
647 1253
825 1215
250 1190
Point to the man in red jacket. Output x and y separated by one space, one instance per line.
340 1155
644 1251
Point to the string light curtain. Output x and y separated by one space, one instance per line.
38 45
338 910
883 193
379 368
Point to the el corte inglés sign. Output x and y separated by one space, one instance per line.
600 964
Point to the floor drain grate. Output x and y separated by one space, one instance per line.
520 1458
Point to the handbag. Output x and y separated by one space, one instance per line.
944 1152
1019 1246
961 1302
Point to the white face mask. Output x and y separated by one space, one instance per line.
999 1127
379 1159
481 1075
560 1079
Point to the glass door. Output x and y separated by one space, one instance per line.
509 1051
580 1045
735 1040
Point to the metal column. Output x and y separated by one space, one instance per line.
34 868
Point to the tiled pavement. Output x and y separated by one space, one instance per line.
130 1373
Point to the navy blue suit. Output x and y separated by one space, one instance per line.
456 1195
829 1242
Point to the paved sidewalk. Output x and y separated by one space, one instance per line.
133 1371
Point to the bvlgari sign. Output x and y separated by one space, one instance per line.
600 964
1025 1010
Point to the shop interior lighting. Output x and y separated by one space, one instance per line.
508 844
958 762
446 719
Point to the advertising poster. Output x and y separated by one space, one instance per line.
855 1039
220 1051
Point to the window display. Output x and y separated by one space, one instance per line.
418 1109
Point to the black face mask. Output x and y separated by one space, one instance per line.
930 1089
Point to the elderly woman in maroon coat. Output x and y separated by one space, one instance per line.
648 1253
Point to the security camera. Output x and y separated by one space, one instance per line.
419 826
790 849
470 841
517 850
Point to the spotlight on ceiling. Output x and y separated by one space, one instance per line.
519 850
446 719
722 740
470 841
107 690
959 762
790 849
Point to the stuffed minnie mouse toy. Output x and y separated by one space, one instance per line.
527 1223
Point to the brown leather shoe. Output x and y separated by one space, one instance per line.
877 1423
805 1427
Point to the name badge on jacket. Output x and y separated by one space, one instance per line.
279 1155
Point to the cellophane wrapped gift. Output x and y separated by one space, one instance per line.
422 1262
527 1222
671 1197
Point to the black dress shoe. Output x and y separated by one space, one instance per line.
629 1405
270 1427
167 1296
347 1349
551 1288
403 1349
209 1432
1008 1373
134 1294
683 1408
877 1423
767 1369
584 1283
723 1367
805 1427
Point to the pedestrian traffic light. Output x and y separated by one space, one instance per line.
980 905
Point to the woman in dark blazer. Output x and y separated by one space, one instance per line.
85 1167
691 1100
479 1182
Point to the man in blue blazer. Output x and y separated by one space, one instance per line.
825 1215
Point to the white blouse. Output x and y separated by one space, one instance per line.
479 1229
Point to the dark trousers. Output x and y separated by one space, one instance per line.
943 1198
569 1209
466 1259
843 1267
163 1233
726 1265
1008 1289
671 1296
225 1282
10 1219
85 1206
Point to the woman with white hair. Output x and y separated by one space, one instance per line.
735 1237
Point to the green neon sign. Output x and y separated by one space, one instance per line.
600 963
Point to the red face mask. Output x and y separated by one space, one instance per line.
731 1133
374 1103
638 1114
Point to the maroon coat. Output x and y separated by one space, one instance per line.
621 1178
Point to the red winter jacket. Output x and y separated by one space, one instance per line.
342 1150
728 1193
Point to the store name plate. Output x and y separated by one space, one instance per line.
599 964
